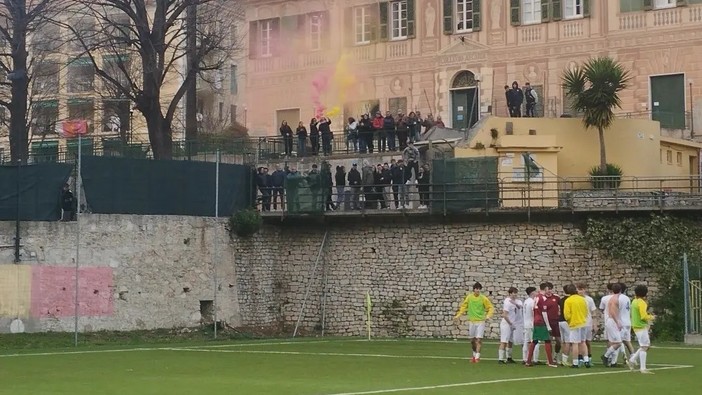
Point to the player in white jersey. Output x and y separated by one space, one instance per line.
590 323
605 317
625 314
528 320
614 323
511 309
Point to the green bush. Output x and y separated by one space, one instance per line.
610 179
245 223
657 243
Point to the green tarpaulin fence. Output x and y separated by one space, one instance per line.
39 191
462 184
150 187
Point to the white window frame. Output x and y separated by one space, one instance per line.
662 4
533 16
573 9
362 25
265 36
398 20
315 32
464 15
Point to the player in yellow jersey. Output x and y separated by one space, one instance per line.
640 322
479 309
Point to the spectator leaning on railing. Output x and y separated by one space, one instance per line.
354 178
341 196
411 157
277 183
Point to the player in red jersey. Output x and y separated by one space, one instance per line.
552 303
545 322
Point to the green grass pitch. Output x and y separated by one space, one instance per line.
329 366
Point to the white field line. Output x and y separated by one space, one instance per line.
361 355
78 352
598 344
473 383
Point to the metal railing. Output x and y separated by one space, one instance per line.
497 195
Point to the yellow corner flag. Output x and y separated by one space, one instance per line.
369 307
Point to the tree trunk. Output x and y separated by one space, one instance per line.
603 153
160 135
19 141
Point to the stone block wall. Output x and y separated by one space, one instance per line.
144 272
416 273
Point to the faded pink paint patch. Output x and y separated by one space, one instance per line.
53 291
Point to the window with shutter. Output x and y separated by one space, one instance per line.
464 16
253 40
411 18
531 11
398 20
515 10
573 9
631 5
448 16
362 22
556 10
477 15
383 14
545 10
664 3
316 23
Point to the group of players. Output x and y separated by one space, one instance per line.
568 321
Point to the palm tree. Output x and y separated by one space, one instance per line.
594 90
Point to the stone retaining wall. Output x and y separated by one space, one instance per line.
144 272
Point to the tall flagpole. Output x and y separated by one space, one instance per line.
78 188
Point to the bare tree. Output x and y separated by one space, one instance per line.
146 42
21 60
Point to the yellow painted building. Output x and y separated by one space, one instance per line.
453 57
564 152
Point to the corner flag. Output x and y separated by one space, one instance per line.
369 307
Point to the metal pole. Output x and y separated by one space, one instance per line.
692 115
686 292
78 187
215 247
17 222
309 281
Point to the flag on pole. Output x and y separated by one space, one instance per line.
75 128
369 307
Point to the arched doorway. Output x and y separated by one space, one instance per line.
465 108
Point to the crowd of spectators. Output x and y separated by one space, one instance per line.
381 186
366 135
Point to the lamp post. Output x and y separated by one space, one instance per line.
131 124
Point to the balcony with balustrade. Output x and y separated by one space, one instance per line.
676 17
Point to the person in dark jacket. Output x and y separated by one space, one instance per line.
263 183
301 133
379 187
341 196
354 178
424 180
277 184
389 126
368 180
287 134
402 130
328 185
68 204
515 98
366 129
314 136
397 175
325 131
